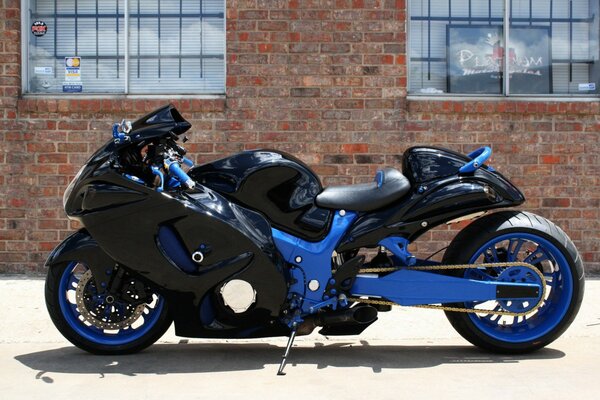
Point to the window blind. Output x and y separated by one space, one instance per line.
90 29
175 46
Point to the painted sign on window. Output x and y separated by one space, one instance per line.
476 59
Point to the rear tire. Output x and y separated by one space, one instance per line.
508 236
136 334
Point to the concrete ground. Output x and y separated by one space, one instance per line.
408 353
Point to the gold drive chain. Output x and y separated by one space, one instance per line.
458 266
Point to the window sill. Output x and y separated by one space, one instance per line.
117 96
503 105
496 98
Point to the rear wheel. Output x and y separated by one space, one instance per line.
512 237
103 323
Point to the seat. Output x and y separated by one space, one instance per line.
390 185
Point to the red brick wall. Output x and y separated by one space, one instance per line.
323 79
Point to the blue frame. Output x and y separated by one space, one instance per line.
311 261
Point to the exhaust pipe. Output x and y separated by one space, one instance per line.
362 314
347 322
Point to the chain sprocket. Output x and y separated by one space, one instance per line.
124 318
458 266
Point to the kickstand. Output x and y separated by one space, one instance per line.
287 352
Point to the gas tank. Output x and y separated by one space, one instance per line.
274 183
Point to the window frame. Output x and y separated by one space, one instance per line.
25 31
505 95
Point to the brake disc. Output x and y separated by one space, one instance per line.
101 314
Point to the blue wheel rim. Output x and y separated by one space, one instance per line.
559 286
68 282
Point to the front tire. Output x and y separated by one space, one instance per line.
511 236
90 323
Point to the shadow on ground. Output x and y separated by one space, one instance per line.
216 357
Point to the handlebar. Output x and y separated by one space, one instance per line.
478 158
166 154
188 162
174 169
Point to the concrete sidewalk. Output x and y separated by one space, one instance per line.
408 353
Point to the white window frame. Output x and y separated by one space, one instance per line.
26 30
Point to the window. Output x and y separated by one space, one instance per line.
81 46
457 47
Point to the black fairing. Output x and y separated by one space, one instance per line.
423 164
439 194
159 123
128 220
276 184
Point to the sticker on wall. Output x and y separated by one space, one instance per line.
72 83
43 70
39 28
587 87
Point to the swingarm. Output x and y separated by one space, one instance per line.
425 285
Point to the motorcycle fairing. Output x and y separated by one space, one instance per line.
274 183
158 123
237 243
82 247
440 193
283 189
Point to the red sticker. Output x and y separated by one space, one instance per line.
39 28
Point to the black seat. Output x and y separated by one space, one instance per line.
390 185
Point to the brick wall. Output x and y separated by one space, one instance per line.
322 79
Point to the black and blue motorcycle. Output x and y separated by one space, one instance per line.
253 246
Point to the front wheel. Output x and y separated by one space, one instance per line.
103 323
511 237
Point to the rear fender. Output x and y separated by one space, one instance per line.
81 247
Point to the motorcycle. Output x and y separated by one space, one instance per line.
253 246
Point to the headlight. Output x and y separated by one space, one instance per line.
71 185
